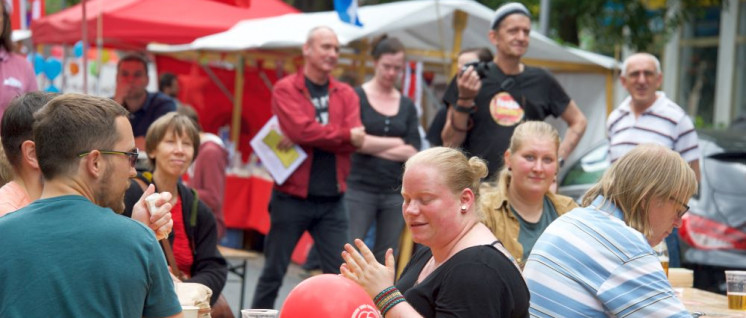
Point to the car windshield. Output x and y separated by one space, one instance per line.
589 168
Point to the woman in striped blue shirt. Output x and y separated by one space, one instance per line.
598 260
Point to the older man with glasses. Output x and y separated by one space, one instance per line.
69 253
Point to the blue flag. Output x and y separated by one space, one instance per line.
347 11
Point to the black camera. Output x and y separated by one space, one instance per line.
480 67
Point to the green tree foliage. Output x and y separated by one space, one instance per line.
54 6
643 25
311 5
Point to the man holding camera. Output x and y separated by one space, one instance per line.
487 100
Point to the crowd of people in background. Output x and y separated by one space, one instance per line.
494 239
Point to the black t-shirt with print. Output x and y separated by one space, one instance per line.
323 178
503 102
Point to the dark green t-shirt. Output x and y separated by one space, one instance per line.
530 232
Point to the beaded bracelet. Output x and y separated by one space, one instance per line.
391 305
383 294
387 299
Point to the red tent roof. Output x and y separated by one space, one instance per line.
135 23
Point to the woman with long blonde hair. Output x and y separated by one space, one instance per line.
521 206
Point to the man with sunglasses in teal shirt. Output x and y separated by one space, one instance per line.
69 254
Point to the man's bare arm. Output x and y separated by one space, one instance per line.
576 124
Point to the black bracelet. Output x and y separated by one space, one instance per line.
465 110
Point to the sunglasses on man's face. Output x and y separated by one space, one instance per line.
132 155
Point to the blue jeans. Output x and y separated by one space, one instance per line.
290 216
386 209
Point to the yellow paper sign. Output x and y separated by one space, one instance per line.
286 156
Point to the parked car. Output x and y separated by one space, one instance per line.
721 199
581 174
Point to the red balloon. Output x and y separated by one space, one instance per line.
328 296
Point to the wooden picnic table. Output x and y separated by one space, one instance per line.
711 304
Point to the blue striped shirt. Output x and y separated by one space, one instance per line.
589 263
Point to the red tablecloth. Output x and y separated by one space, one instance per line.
245 203
245 207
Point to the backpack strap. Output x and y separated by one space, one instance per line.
195 206
144 179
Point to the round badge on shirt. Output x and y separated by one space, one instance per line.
505 110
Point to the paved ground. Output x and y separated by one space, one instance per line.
232 290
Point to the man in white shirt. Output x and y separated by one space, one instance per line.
648 116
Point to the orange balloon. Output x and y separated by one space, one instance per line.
92 53
113 57
74 68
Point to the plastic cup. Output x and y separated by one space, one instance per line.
736 284
190 311
259 313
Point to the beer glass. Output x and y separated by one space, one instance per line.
662 252
736 287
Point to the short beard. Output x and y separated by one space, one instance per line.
105 198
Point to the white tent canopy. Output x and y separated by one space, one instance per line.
20 35
420 24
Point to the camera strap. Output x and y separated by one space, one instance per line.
500 77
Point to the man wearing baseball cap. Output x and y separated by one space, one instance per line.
482 113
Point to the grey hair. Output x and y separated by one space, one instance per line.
648 55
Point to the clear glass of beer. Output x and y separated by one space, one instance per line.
736 287
662 251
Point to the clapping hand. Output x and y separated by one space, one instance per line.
363 268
